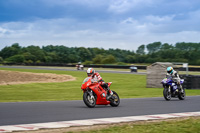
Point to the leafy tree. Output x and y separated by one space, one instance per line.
180 52
98 59
35 52
187 46
153 47
166 46
140 58
87 62
164 54
84 54
73 58
16 46
51 57
38 61
198 62
141 49
130 59
150 60
16 59
96 51
1 60
29 56
28 61
10 51
110 59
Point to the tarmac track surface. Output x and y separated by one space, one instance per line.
52 111
66 69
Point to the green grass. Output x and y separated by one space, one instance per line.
190 125
126 85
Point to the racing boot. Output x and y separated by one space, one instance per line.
109 94
179 86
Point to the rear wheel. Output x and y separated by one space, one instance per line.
167 94
89 100
114 100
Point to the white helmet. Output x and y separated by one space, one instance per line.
90 71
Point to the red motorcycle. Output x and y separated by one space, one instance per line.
95 94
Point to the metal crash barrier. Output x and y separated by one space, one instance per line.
191 81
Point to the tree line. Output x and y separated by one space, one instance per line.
150 53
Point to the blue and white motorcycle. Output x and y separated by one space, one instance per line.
172 90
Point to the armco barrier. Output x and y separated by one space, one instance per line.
190 69
116 66
191 81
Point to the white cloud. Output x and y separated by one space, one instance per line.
122 6
159 19
127 34
121 30
128 21
4 31
183 36
86 3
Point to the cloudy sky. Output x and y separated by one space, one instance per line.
124 24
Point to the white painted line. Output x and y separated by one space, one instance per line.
138 118
48 125
81 122
193 113
165 116
77 123
4 131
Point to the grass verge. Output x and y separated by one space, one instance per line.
126 85
176 125
184 125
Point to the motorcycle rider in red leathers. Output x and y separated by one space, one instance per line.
97 78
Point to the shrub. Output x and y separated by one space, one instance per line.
87 62
16 59
110 59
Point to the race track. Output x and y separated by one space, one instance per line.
52 111
67 69
39 112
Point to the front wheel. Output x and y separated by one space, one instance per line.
167 94
181 94
89 100
114 102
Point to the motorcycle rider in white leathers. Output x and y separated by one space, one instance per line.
175 77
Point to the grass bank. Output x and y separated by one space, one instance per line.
188 125
126 85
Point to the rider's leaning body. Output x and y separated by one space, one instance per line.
97 78
175 77
171 72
